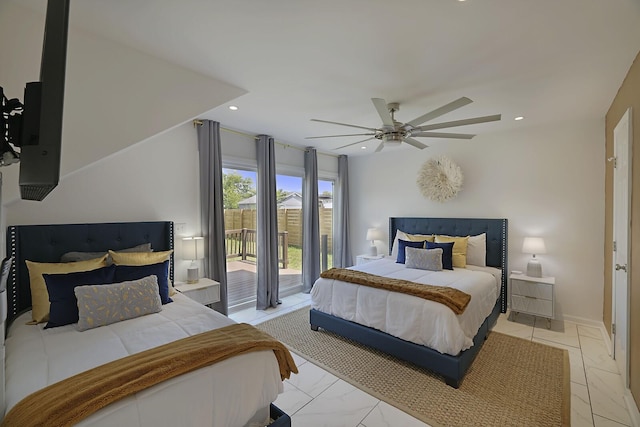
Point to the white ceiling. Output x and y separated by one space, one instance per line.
547 60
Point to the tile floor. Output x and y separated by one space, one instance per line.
596 386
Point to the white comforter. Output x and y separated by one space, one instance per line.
231 393
411 318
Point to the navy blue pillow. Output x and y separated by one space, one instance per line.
447 253
135 272
403 244
63 309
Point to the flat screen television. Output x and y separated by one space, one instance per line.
35 126
41 136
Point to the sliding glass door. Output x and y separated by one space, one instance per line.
239 189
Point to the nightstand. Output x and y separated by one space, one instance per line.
363 259
533 295
206 291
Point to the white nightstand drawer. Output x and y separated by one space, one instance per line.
204 296
206 291
537 290
532 305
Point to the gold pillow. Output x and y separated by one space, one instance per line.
39 294
139 258
459 248
419 237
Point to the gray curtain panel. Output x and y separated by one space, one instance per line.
341 242
310 221
212 208
267 256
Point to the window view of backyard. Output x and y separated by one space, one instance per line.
240 232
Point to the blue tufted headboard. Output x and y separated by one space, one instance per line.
47 243
496 229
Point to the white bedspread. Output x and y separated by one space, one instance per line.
229 393
411 318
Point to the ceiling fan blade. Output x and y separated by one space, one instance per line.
415 143
354 143
343 124
458 103
335 136
383 111
380 147
443 135
461 122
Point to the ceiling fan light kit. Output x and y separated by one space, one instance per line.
393 133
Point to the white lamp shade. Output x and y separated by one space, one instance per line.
193 248
374 234
533 245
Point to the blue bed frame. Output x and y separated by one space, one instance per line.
47 243
452 368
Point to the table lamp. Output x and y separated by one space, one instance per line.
373 234
534 245
193 249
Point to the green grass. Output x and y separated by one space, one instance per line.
295 258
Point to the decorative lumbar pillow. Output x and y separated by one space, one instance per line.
447 253
409 237
83 256
459 248
135 272
477 250
424 259
139 258
63 303
402 244
39 294
100 305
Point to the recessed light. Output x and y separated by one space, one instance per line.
233 107
364 147
519 118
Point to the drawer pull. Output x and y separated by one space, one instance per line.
527 296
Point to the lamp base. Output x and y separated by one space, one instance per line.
373 250
534 268
193 274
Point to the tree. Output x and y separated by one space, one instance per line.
326 193
236 188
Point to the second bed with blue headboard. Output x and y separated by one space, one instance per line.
425 333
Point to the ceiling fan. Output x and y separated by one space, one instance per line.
393 133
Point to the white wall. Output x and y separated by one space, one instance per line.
547 182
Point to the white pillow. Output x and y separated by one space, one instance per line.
477 250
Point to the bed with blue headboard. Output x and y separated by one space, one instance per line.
37 356
451 367
47 243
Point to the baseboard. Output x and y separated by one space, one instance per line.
633 408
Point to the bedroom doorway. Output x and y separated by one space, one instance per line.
622 137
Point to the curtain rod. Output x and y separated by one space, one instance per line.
197 122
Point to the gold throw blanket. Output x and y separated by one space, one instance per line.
453 298
69 401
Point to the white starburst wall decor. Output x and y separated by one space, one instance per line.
440 179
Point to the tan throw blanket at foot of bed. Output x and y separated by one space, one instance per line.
89 391
453 298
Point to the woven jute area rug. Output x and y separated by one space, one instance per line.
512 382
